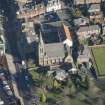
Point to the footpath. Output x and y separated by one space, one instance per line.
12 70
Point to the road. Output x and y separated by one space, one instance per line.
11 35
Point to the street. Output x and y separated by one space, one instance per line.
11 35
20 85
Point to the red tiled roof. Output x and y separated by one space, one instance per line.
67 32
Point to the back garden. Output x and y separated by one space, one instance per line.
72 91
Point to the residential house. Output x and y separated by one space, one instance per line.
28 38
86 31
79 2
53 5
95 11
61 15
64 14
2 33
23 1
82 21
92 1
33 9
82 2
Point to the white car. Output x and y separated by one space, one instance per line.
1 102
8 90
6 87
2 74
5 82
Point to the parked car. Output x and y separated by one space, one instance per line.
1 102
7 88
4 82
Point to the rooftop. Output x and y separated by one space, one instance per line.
78 2
89 28
59 15
81 21
67 32
1 28
94 8
29 30
52 32
64 14
54 50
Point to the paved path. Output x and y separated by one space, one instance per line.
12 70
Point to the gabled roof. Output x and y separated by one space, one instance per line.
52 32
54 50
67 32
81 21
88 28
94 8
103 26
78 2
29 31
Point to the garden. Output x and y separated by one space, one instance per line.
72 91
99 59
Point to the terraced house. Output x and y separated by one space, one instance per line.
28 37
82 2
30 9
87 31
95 11
2 33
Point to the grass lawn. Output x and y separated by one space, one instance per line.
77 102
99 55
56 95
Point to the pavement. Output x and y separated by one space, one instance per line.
12 70
12 42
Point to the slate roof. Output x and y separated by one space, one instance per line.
64 14
89 28
54 50
52 32
94 7
30 32
59 16
81 21
78 2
